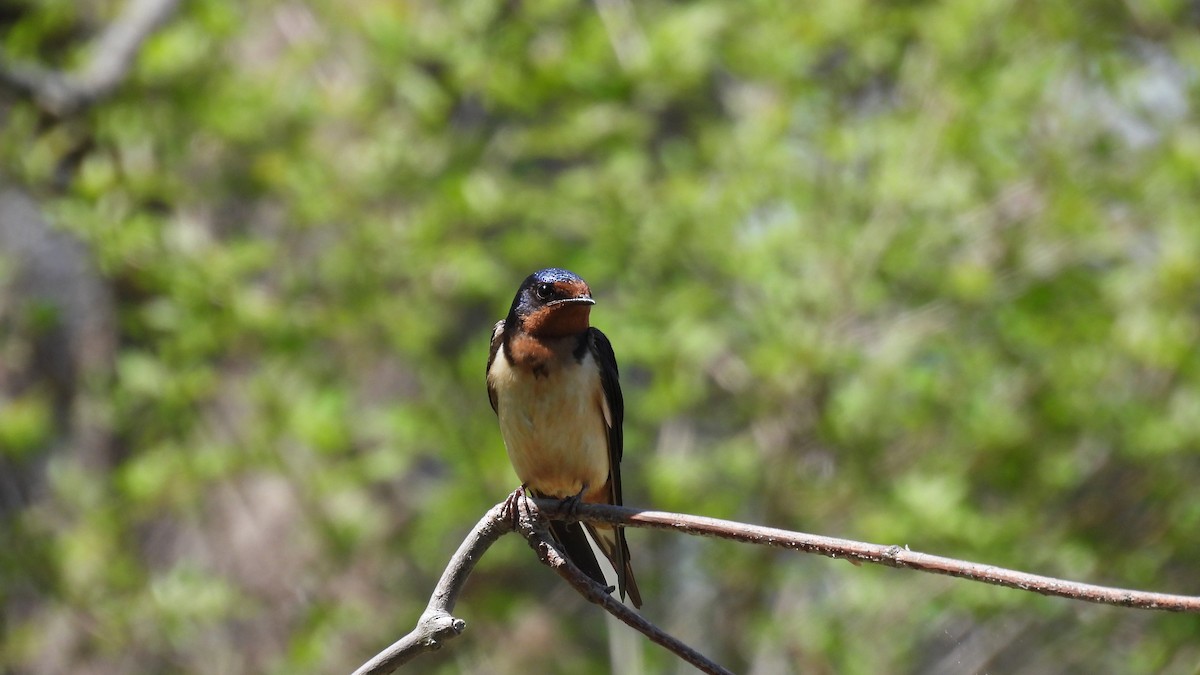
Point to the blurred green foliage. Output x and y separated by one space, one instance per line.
914 272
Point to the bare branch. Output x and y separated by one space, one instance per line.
892 556
112 56
437 624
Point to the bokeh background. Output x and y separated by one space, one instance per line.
919 272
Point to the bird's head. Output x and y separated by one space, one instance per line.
552 303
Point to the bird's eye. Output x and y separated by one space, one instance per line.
544 291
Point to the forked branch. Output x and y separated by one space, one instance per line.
437 625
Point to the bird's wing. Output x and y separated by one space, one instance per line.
612 539
497 341
602 352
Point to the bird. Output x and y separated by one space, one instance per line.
553 383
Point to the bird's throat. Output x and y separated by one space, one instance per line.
556 321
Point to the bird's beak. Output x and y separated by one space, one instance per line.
581 300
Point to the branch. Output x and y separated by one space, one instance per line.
856 551
436 624
112 56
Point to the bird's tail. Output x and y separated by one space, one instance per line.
575 544
611 541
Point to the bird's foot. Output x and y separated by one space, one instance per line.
512 503
570 505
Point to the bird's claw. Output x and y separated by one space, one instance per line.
511 511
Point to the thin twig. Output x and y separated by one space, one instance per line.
112 56
892 556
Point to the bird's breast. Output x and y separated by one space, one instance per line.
553 420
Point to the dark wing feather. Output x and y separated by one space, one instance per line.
614 547
497 341
602 351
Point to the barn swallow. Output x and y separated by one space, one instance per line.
552 380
